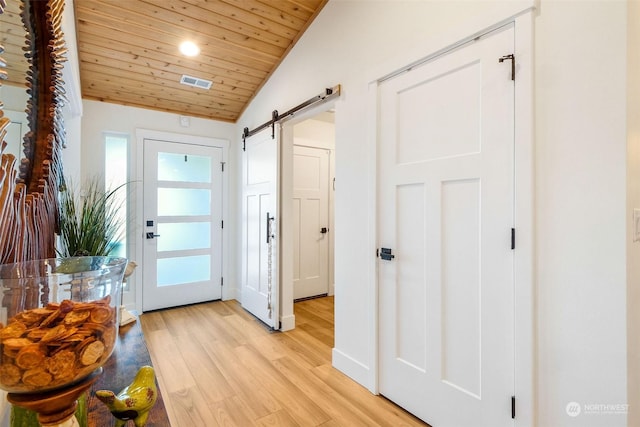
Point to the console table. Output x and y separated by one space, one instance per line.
128 356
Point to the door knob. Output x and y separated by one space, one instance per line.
324 230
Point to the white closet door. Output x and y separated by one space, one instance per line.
446 212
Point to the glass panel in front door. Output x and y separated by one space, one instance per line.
183 167
184 219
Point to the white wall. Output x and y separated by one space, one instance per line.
315 133
15 100
581 159
73 109
100 117
13 97
633 201
581 193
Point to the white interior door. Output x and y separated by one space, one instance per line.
446 212
182 261
260 284
311 221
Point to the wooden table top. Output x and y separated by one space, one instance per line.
128 356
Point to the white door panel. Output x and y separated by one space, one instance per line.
446 211
310 217
260 287
182 224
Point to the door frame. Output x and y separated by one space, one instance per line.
524 277
137 200
287 316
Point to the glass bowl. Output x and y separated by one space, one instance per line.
58 320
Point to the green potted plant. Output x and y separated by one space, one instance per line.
89 220
90 225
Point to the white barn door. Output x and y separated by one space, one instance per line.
446 203
260 285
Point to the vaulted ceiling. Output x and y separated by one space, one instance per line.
128 50
129 53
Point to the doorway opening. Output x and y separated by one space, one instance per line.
313 223
308 186
312 206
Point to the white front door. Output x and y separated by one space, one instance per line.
260 285
182 224
310 221
446 214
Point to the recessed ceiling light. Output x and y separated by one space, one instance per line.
189 48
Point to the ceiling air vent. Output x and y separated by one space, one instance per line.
195 82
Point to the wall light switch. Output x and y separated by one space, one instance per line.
636 225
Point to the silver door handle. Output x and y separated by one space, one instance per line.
268 227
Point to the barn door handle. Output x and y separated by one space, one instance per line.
269 224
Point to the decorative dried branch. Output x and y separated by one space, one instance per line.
29 199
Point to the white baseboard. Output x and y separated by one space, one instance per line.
288 323
353 369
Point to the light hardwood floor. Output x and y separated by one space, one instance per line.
218 366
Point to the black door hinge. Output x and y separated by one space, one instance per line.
511 57
222 165
221 281
513 407
513 238
221 224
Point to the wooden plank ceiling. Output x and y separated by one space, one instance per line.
13 38
128 50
